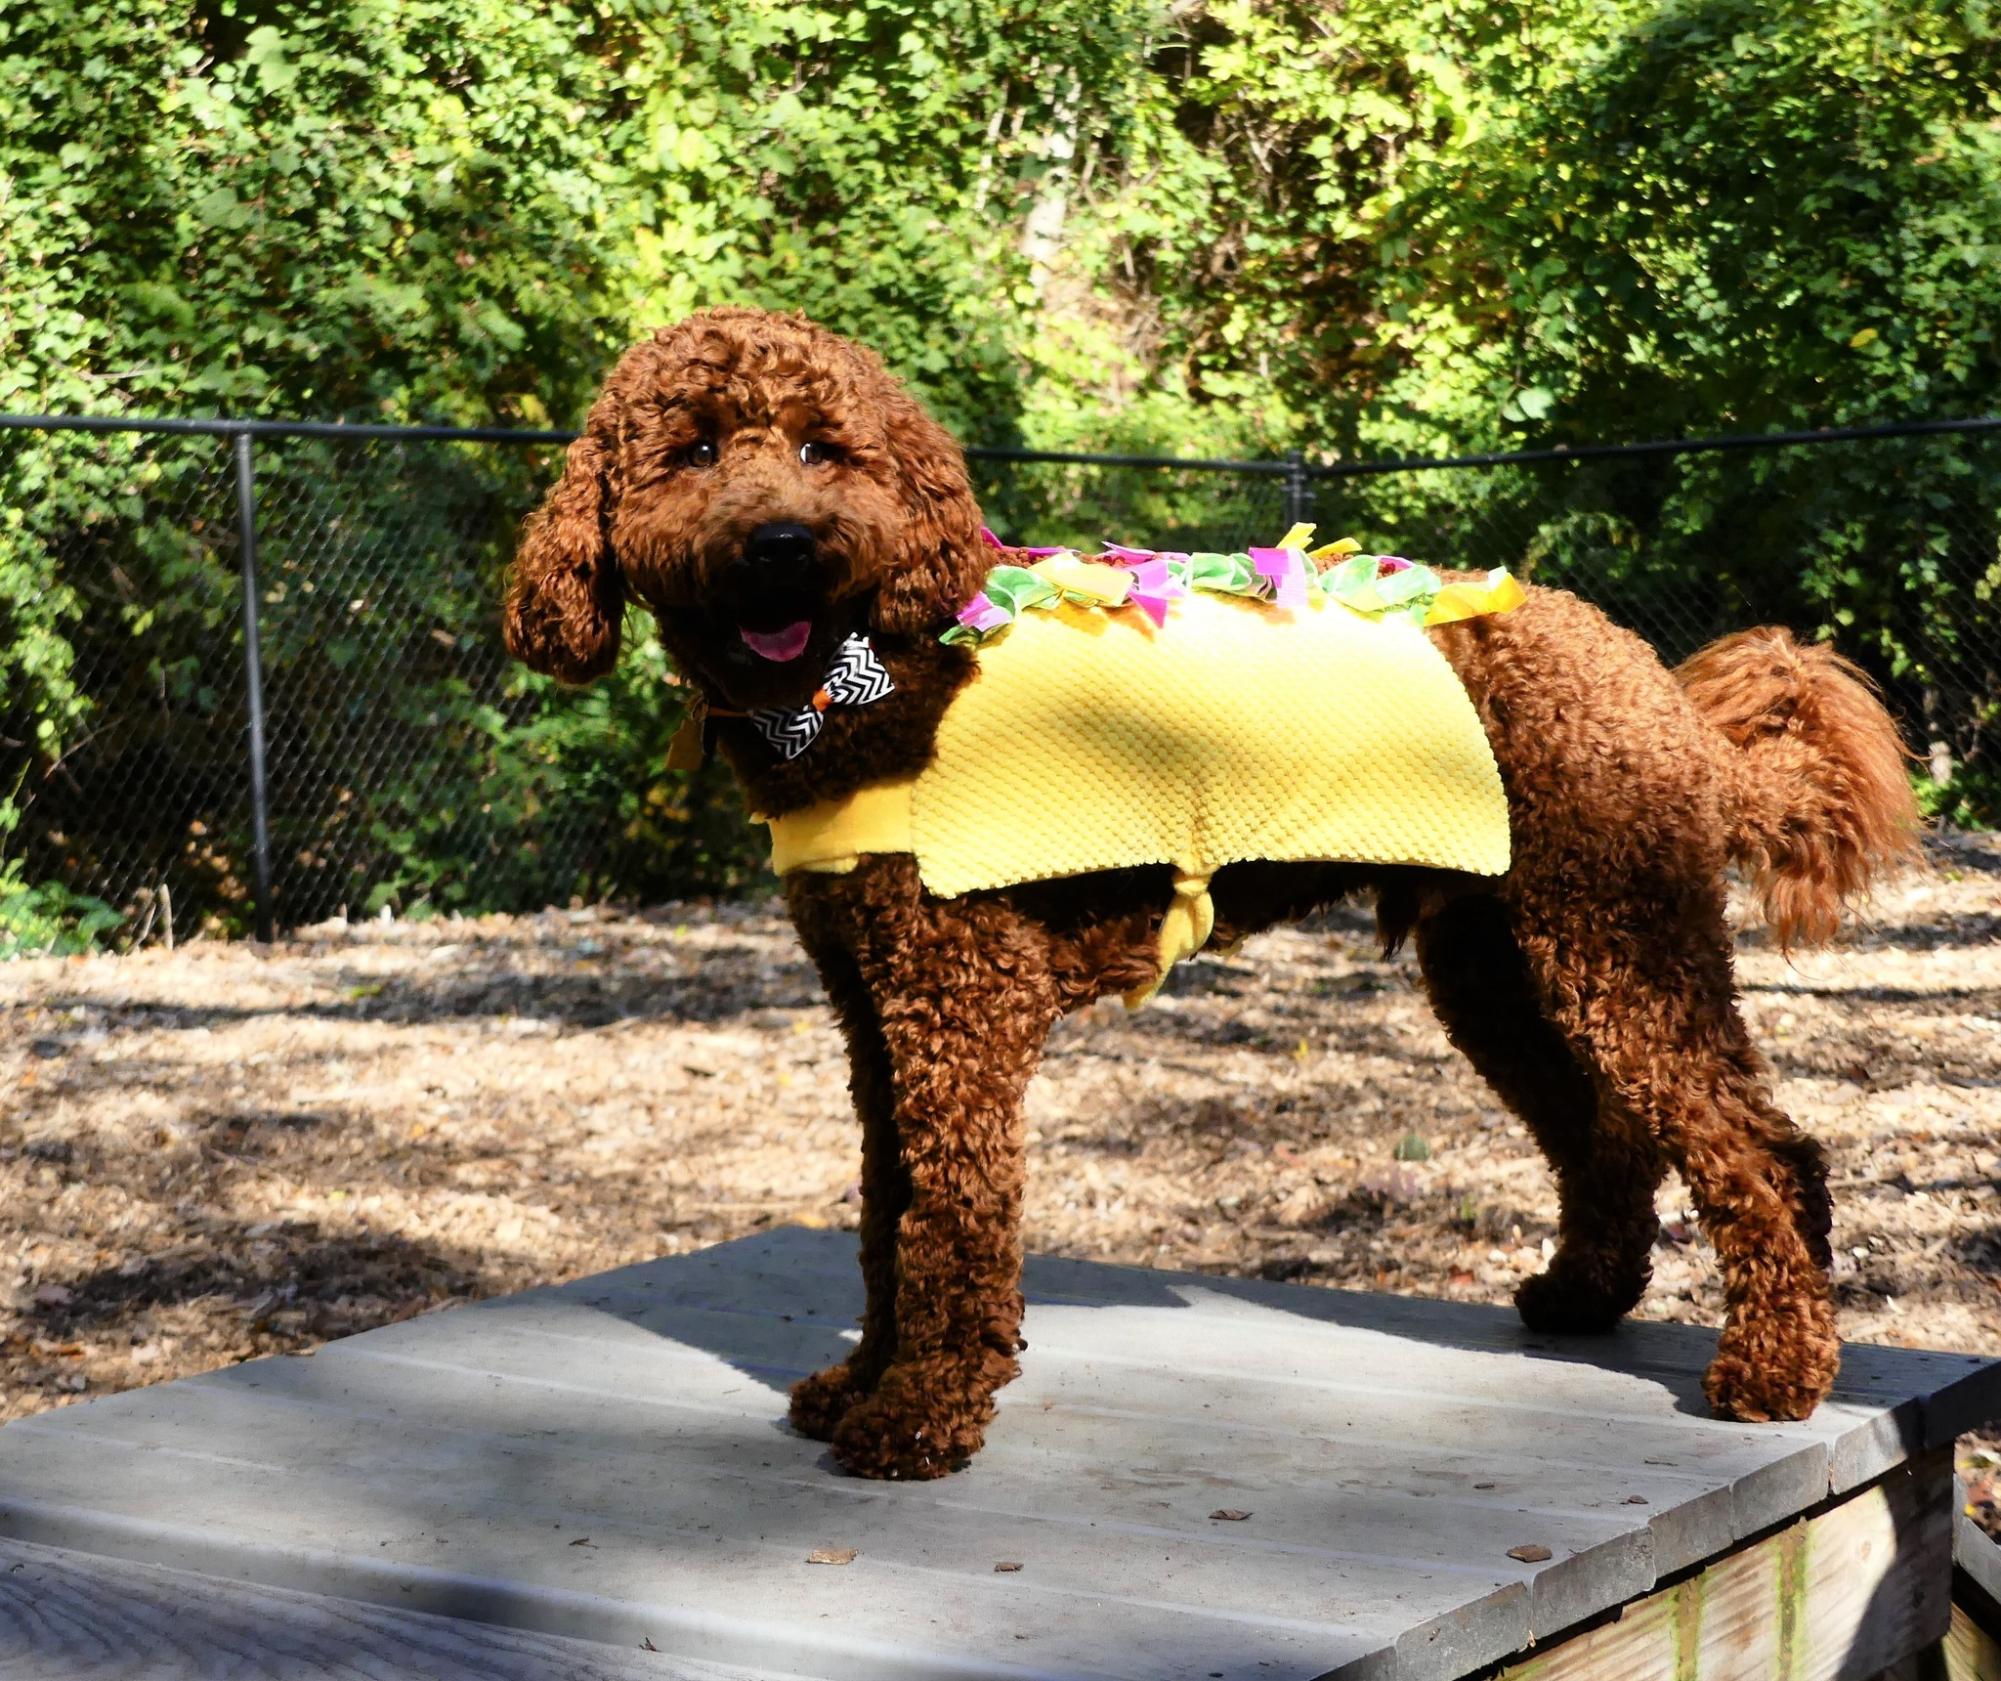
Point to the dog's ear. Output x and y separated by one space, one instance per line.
941 560
565 597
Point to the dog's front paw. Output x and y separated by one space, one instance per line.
1763 1372
821 1401
900 1435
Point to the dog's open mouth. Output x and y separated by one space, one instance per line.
781 647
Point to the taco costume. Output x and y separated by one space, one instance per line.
1187 710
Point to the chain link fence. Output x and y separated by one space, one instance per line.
407 763
393 725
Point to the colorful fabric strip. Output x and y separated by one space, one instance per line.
1289 575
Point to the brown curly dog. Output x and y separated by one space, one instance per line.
754 479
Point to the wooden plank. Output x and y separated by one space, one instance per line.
1303 1381
1968 1652
1390 1451
1151 1495
1271 1412
1975 1552
70 1617
470 1523
1913 1398
1836 1597
1888 1402
812 1263
1392 1465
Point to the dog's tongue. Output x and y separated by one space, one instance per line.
778 646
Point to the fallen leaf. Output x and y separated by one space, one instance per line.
582 1541
1530 1552
1636 1500
1229 1514
1006 1567
646 1645
831 1555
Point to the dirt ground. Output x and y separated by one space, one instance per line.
226 1151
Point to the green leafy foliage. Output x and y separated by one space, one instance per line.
48 920
1439 227
363 209
1227 228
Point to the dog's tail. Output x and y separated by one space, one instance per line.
1820 801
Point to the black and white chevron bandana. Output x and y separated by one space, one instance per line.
855 678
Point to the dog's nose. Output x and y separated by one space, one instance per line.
780 544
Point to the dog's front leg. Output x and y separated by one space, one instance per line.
962 999
821 1401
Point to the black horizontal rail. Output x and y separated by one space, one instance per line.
282 429
228 428
1067 457
223 428
1658 446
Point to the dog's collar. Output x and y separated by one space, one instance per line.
857 677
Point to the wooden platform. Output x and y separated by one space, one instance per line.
552 1483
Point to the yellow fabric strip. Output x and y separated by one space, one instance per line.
1497 593
831 836
1184 930
1107 586
830 839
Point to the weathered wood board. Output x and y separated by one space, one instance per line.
1975 1554
608 1462
70 1617
1835 1597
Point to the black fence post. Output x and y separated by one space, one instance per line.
1298 489
253 681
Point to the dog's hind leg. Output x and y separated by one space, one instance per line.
1607 1167
1642 989
821 1401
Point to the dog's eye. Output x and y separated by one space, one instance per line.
813 453
701 454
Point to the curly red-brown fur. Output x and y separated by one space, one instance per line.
565 603
1591 985
1822 791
